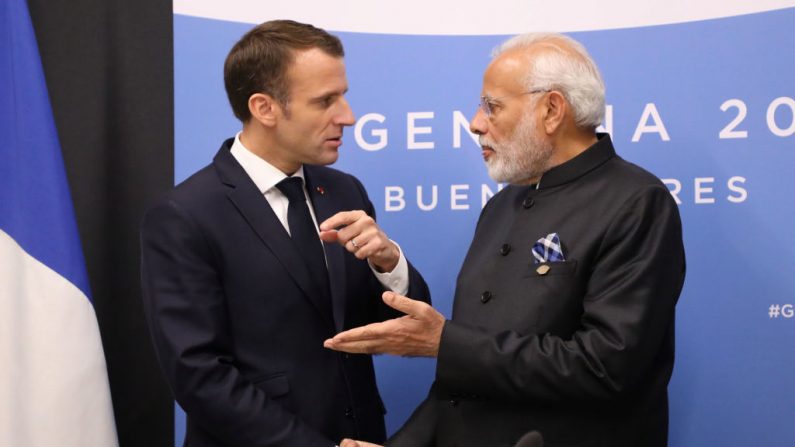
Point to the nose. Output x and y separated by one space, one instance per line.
345 115
479 123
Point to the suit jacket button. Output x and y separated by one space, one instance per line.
349 413
528 203
453 402
505 249
485 297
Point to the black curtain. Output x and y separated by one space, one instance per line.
109 70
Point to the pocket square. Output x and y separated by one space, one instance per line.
548 249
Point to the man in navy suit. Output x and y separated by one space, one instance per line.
237 309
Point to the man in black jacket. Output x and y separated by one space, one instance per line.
563 319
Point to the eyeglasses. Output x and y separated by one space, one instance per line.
487 104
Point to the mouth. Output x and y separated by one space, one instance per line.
487 152
335 141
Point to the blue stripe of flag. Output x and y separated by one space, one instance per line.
35 204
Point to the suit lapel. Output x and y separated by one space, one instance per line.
254 207
323 200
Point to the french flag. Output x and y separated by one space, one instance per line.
53 379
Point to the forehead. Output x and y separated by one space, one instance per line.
313 71
506 73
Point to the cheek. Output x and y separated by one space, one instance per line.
498 134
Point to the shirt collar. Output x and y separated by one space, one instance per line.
264 174
589 159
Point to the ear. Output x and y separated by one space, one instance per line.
556 108
264 108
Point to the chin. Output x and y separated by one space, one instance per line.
329 159
495 172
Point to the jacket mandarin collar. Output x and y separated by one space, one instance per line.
588 160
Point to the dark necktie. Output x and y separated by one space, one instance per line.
304 234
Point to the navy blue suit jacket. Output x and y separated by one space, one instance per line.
235 321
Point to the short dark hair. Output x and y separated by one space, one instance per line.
259 61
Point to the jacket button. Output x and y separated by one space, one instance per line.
349 413
485 297
453 403
505 249
528 203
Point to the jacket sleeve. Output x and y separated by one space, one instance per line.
627 319
185 310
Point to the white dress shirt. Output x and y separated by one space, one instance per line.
266 176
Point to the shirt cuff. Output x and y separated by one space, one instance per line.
398 279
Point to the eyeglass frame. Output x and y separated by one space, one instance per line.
485 103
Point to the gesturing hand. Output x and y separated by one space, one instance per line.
361 235
417 334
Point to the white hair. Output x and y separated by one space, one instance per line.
573 73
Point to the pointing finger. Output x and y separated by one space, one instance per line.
369 332
329 236
340 219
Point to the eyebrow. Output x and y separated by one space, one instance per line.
492 100
325 95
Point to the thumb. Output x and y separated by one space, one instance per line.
404 304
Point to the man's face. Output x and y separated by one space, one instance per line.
310 128
515 148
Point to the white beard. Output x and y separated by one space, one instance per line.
525 155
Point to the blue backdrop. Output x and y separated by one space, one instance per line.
707 106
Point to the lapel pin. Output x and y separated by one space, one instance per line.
542 269
321 190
